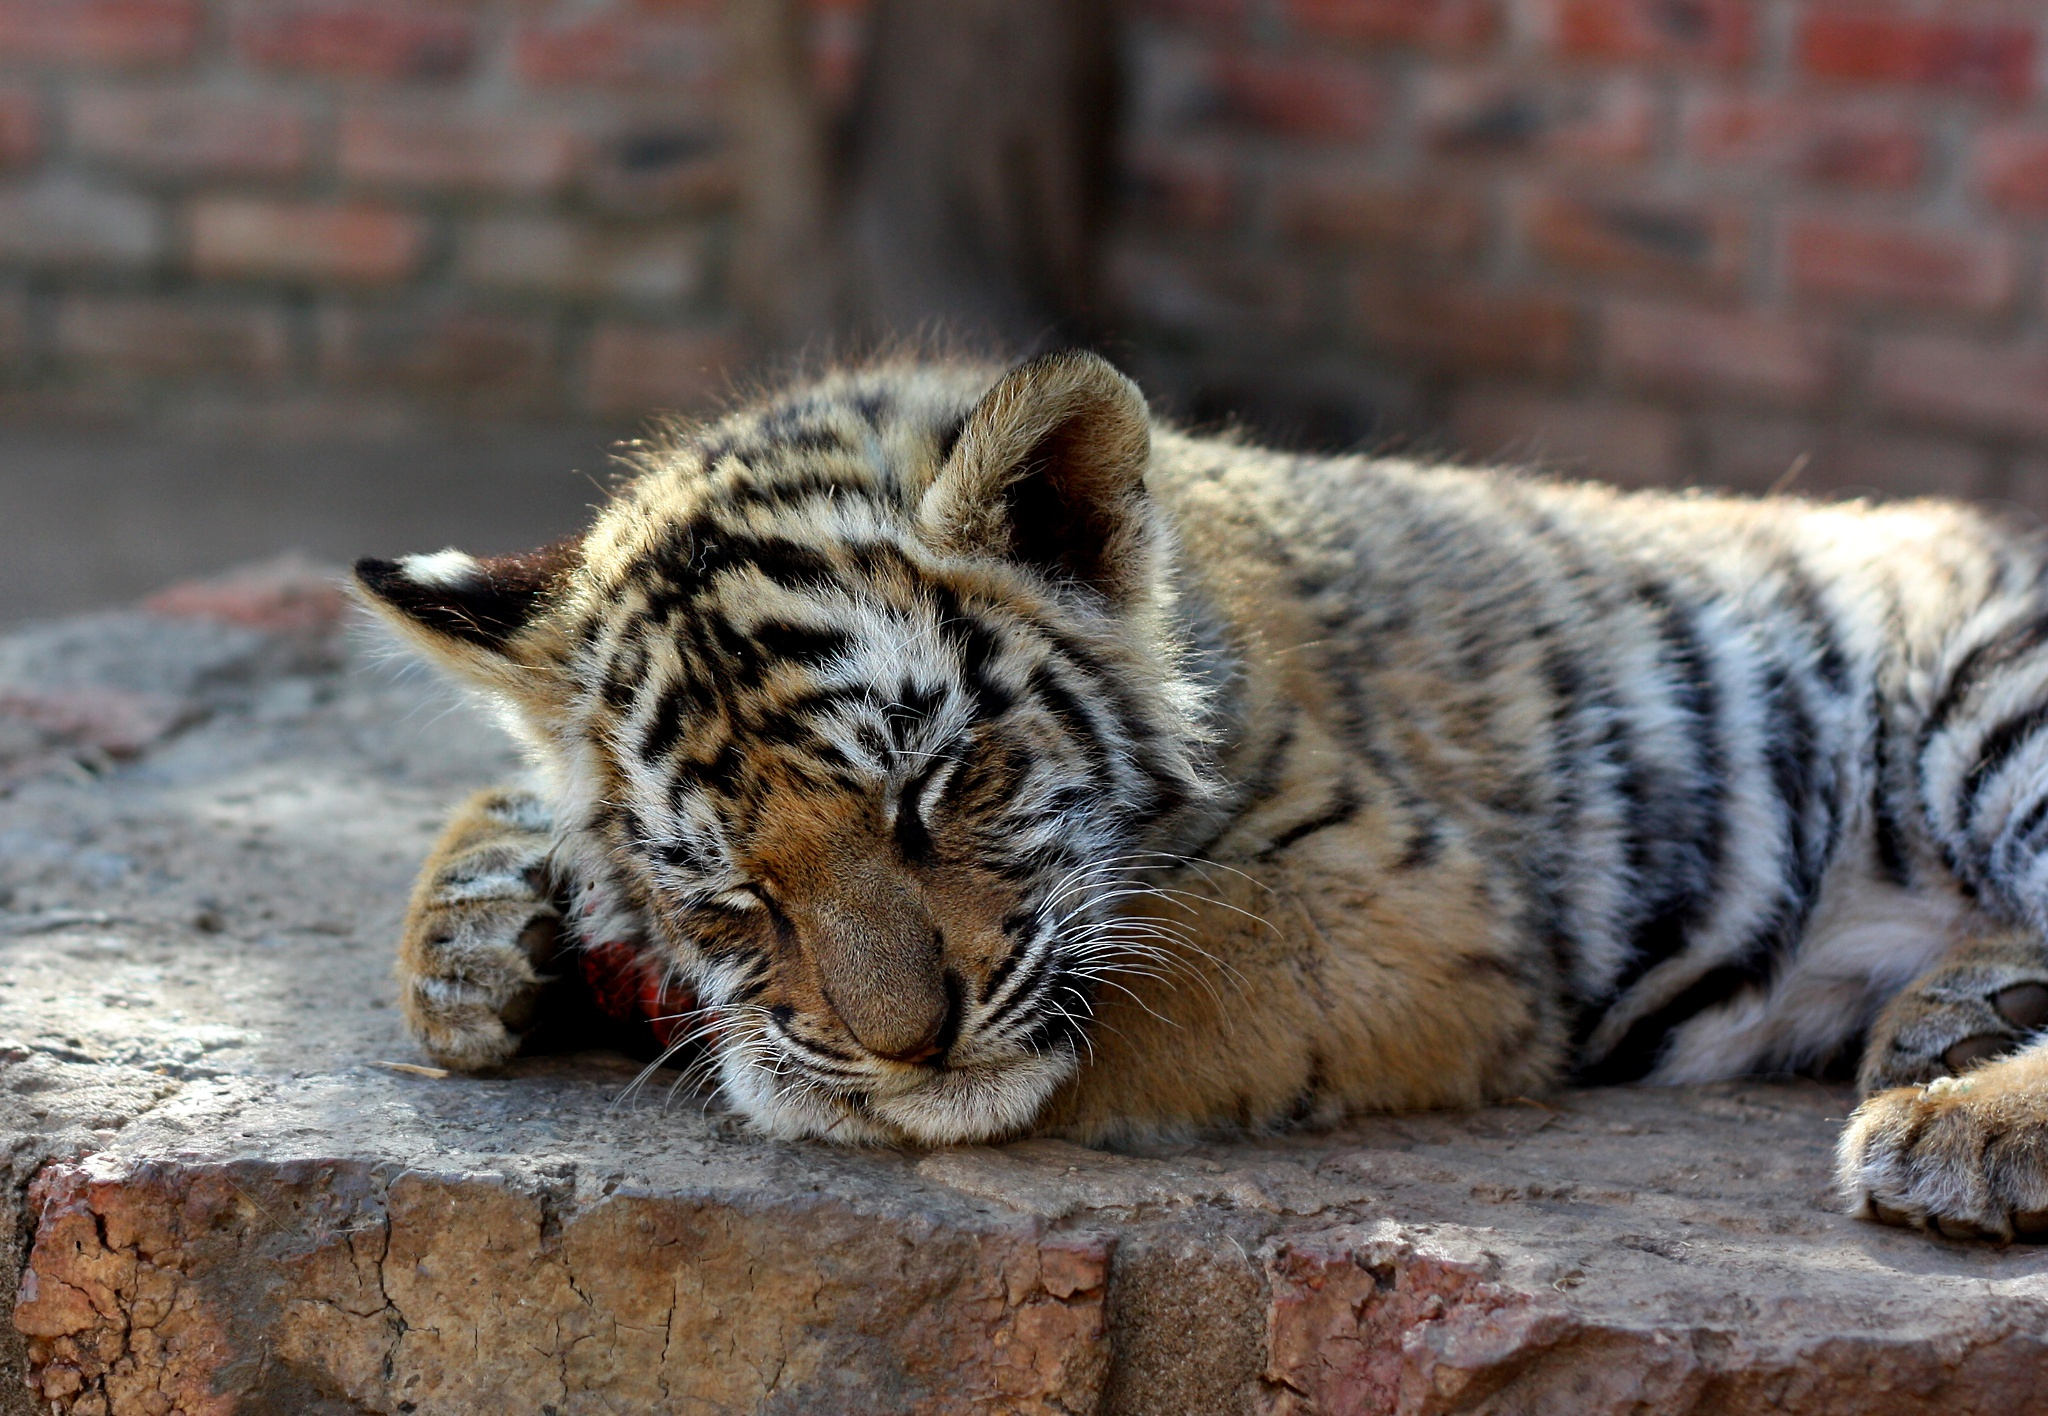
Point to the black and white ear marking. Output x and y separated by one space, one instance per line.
1049 471
454 595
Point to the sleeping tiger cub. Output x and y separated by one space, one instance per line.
988 758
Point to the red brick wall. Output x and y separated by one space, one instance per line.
490 205
1661 240
1666 241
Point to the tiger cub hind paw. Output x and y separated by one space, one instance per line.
1956 1018
1965 1157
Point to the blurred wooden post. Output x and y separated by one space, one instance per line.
967 192
783 274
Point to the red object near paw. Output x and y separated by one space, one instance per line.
631 986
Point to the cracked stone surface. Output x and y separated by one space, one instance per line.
224 1199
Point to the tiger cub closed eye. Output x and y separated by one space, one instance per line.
991 759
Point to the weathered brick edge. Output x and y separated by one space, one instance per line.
247 1286
259 1287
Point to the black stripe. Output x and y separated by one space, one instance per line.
977 646
808 645
2023 833
1888 832
1013 927
1342 808
699 552
1700 831
913 840
785 490
665 727
1998 747
1804 598
1027 990
1066 710
1636 1055
1424 845
1976 665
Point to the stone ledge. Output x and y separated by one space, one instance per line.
225 1204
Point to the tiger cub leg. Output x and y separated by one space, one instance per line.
1954 1133
480 926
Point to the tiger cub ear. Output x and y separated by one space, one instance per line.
1049 472
483 618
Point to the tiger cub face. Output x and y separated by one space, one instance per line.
870 699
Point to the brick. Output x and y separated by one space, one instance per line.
21 126
290 595
1617 442
377 39
619 51
1467 330
659 167
1461 113
1877 262
1298 96
1988 388
639 369
1344 206
1449 25
465 354
1992 56
1171 86
1715 33
1807 140
67 222
1206 12
1639 239
1705 353
183 132
443 147
1759 454
1183 185
838 44
155 335
1220 295
560 257
361 242
98 33
14 336
2009 168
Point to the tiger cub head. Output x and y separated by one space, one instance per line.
870 696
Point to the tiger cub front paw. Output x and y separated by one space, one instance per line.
480 928
1966 1156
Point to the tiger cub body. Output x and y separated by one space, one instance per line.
990 760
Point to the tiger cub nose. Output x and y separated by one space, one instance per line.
933 1047
880 964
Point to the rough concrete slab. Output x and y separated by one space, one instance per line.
222 1202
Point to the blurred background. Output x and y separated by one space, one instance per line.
358 276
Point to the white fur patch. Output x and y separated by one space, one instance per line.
444 570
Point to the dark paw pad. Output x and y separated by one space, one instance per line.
2024 1005
1964 1229
1962 1056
